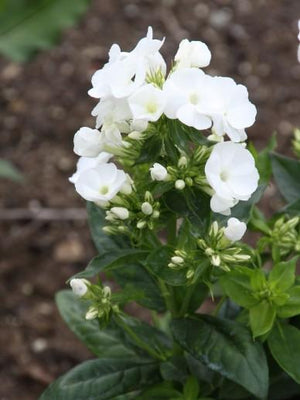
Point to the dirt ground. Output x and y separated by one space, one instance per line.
45 101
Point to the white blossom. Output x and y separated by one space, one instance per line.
87 142
126 72
180 184
127 185
192 54
147 103
229 107
230 170
235 229
85 163
185 97
79 286
100 184
112 111
158 172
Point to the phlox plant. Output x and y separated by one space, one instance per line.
171 188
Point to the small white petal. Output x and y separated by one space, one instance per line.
235 229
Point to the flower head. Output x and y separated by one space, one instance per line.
87 142
231 172
79 286
100 184
158 172
192 54
147 103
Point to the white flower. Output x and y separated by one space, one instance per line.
146 208
127 185
120 212
87 142
85 163
126 72
192 54
158 172
221 205
112 111
147 103
229 108
235 229
79 286
185 97
230 170
100 184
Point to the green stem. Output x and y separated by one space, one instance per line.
169 297
186 301
140 343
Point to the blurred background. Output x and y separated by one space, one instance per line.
43 228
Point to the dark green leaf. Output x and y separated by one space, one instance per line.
175 369
225 347
150 150
136 277
191 388
103 379
236 285
103 242
110 261
161 391
103 343
284 343
282 275
231 391
28 26
262 318
292 307
287 176
158 261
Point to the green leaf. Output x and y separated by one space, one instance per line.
236 285
191 389
286 174
226 347
103 379
262 318
282 275
29 26
263 160
158 261
103 343
135 277
103 242
9 171
161 391
284 344
110 261
150 150
231 391
292 307
175 369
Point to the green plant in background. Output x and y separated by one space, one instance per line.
9 171
168 229
27 26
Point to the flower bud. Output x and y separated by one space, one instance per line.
189 181
158 172
216 260
190 273
177 260
135 135
156 214
79 286
182 162
179 184
92 313
235 229
87 142
141 224
120 212
148 196
146 208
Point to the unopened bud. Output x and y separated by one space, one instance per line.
179 184
190 274
135 135
177 260
156 214
141 224
146 208
92 313
182 162
216 260
189 181
79 286
106 291
120 212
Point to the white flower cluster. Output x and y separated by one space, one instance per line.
134 90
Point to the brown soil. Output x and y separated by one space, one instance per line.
45 101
